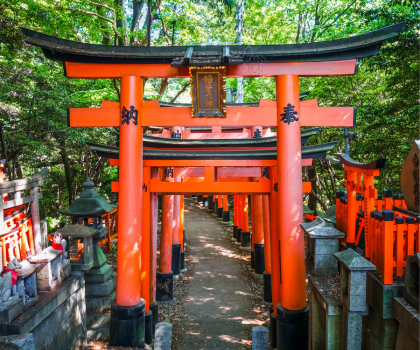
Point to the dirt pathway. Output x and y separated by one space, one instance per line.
218 311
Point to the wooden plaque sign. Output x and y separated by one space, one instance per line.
208 92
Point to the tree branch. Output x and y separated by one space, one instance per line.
92 14
116 88
180 91
323 205
342 13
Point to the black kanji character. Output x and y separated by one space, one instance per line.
289 114
176 135
169 172
144 187
126 115
257 134
265 172
276 187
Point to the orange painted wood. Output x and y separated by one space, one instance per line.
267 233
216 163
275 243
308 103
245 213
399 249
290 201
387 253
145 242
410 240
115 186
215 188
246 116
100 71
210 163
372 172
259 218
324 68
306 187
130 198
98 117
181 222
165 263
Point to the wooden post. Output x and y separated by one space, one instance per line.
292 331
275 247
130 192
267 233
153 229
146 240
129 330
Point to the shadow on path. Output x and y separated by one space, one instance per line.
218 311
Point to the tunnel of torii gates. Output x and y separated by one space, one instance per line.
207 67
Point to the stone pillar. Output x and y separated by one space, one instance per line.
353 268
323 242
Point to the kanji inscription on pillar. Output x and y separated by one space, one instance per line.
169 172
127 115
176 135
289 115
208 92
257 134
265 173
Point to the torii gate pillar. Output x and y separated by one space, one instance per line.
128 312
292 312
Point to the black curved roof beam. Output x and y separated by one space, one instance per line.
316 151
377 164
348 48
161 142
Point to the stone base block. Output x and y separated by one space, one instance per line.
380 297
406 341
11 311
17 342
65 269
101 289
100 275
384 330
58 320
98 325
257 276
100 303
371 343
325 317
321 270
409 319
352 329
31 302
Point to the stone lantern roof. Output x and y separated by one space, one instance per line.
89 204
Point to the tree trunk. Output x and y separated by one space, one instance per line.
122 23
312 177
67 170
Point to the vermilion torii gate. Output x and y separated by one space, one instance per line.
284 62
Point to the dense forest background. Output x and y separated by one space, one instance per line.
34 94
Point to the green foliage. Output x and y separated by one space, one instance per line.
34 94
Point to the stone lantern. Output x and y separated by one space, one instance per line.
99 276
